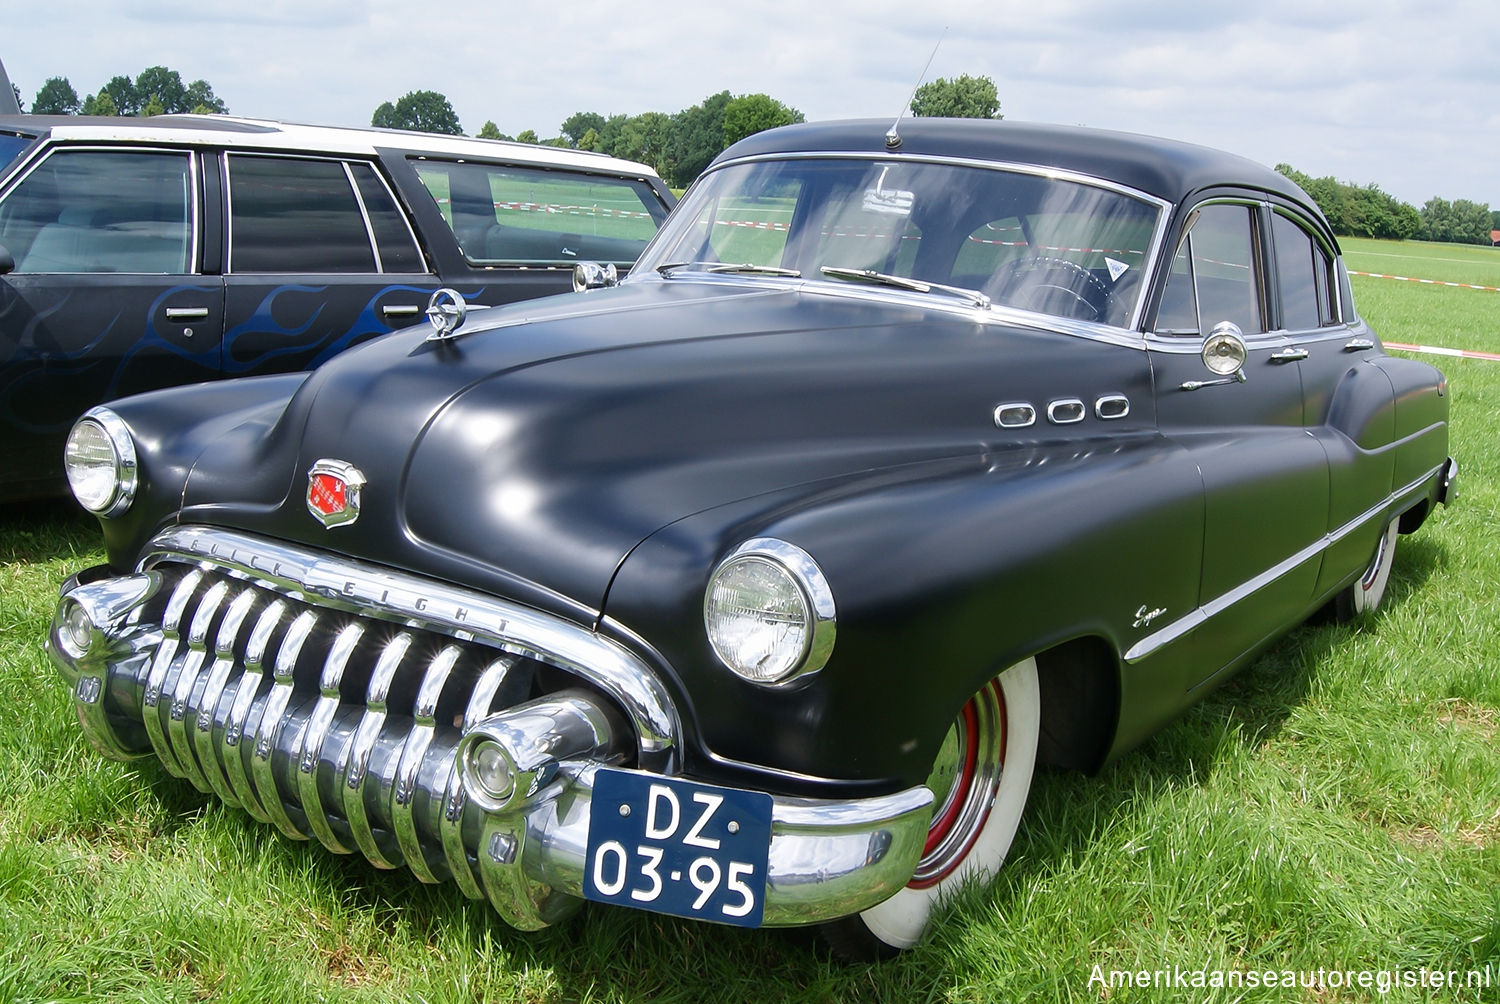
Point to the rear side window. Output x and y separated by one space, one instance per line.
393 235
508 215
293 215
11 147
101 211
1304 277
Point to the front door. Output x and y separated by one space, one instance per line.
105 298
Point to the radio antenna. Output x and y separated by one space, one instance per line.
892 137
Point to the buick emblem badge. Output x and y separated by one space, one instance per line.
333 492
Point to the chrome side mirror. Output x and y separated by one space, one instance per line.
589 275
1224 354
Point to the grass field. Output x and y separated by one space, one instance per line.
1335 807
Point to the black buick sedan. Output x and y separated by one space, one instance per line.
752 588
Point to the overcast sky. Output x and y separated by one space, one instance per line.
1404 94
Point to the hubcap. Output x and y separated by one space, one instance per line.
964 779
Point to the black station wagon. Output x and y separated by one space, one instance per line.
751 588
142 253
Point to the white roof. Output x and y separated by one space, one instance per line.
267 133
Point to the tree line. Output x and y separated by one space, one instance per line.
1366 211
156 90
678 145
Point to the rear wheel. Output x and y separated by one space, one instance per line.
1365 593
980 781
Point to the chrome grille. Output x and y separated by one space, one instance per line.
325 723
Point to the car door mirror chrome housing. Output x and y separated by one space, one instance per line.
589 275
1224 354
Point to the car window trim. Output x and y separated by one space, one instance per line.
1306 224
342 161
401 211
46 151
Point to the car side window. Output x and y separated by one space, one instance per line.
102 211
393 234
1214 275
1304 277
509 215
295 215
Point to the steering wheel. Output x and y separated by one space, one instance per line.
1079 286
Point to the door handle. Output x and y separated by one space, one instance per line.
1358 345
187 313
395 310
1288 355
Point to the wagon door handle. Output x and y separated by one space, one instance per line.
1288 355
1358 345
395 310
187 313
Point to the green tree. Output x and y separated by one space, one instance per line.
964 97
100 104
645 137
122 92
56 97
1458 222
422 111
575 126
199 99
749 114
1358 210
160 90
697 138
527 136
589 140
491 131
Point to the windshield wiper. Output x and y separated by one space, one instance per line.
873 277
742 268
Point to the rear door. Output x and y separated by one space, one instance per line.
319 257
1265 477
107 296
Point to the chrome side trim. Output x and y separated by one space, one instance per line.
1111 407
1015 415
1066 411
354 587
1175 630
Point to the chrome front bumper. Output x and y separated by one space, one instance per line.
357 724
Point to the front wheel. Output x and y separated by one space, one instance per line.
980 781
1365 593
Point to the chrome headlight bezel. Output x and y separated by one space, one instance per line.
806 591
87 475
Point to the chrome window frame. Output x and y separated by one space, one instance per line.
1086 329
46 151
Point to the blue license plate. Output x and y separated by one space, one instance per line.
678 847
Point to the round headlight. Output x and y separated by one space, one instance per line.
769 612
99 459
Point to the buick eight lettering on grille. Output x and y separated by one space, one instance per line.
751 587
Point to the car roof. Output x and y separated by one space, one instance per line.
1164 168
234 131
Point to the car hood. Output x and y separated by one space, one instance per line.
534 450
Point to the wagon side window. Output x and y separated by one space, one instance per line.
1214 275
1304 277
102 211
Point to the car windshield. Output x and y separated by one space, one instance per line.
1044 244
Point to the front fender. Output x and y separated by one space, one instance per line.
943 575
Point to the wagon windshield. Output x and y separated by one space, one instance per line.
1054 246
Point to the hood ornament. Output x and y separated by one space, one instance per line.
446 310
333 489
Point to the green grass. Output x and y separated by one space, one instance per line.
1336 806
